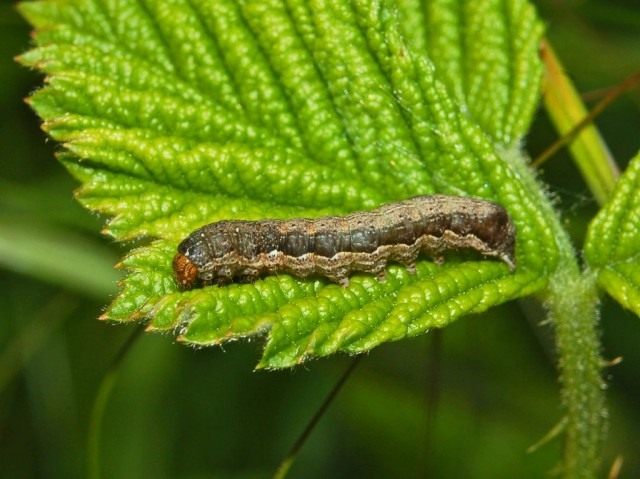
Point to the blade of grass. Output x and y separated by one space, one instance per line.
29 340
565 107
611 95
27 200
58 257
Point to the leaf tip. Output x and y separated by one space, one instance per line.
262 366
107 231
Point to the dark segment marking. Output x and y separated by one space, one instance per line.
336 246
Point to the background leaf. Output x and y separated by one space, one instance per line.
612 246
566 110
179 113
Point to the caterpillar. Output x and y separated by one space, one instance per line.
335 246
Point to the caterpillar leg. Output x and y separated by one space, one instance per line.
411 268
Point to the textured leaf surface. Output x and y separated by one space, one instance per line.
612 246
178 113
485 52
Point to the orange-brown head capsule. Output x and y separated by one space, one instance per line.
186 272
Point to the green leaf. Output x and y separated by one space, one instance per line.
174 114
56 256
486 53
612 246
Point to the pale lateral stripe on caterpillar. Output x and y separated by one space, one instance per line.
336 246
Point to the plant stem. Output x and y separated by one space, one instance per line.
287 462
573 308
572 302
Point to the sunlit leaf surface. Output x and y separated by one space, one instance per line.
612 246
174 114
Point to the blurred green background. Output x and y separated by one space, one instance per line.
464 403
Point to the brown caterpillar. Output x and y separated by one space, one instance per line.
335 246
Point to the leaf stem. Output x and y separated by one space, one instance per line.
287 462
573 308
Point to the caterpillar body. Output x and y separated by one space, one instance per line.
335 246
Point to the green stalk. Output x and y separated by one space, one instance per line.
566 110
572 302
573 309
